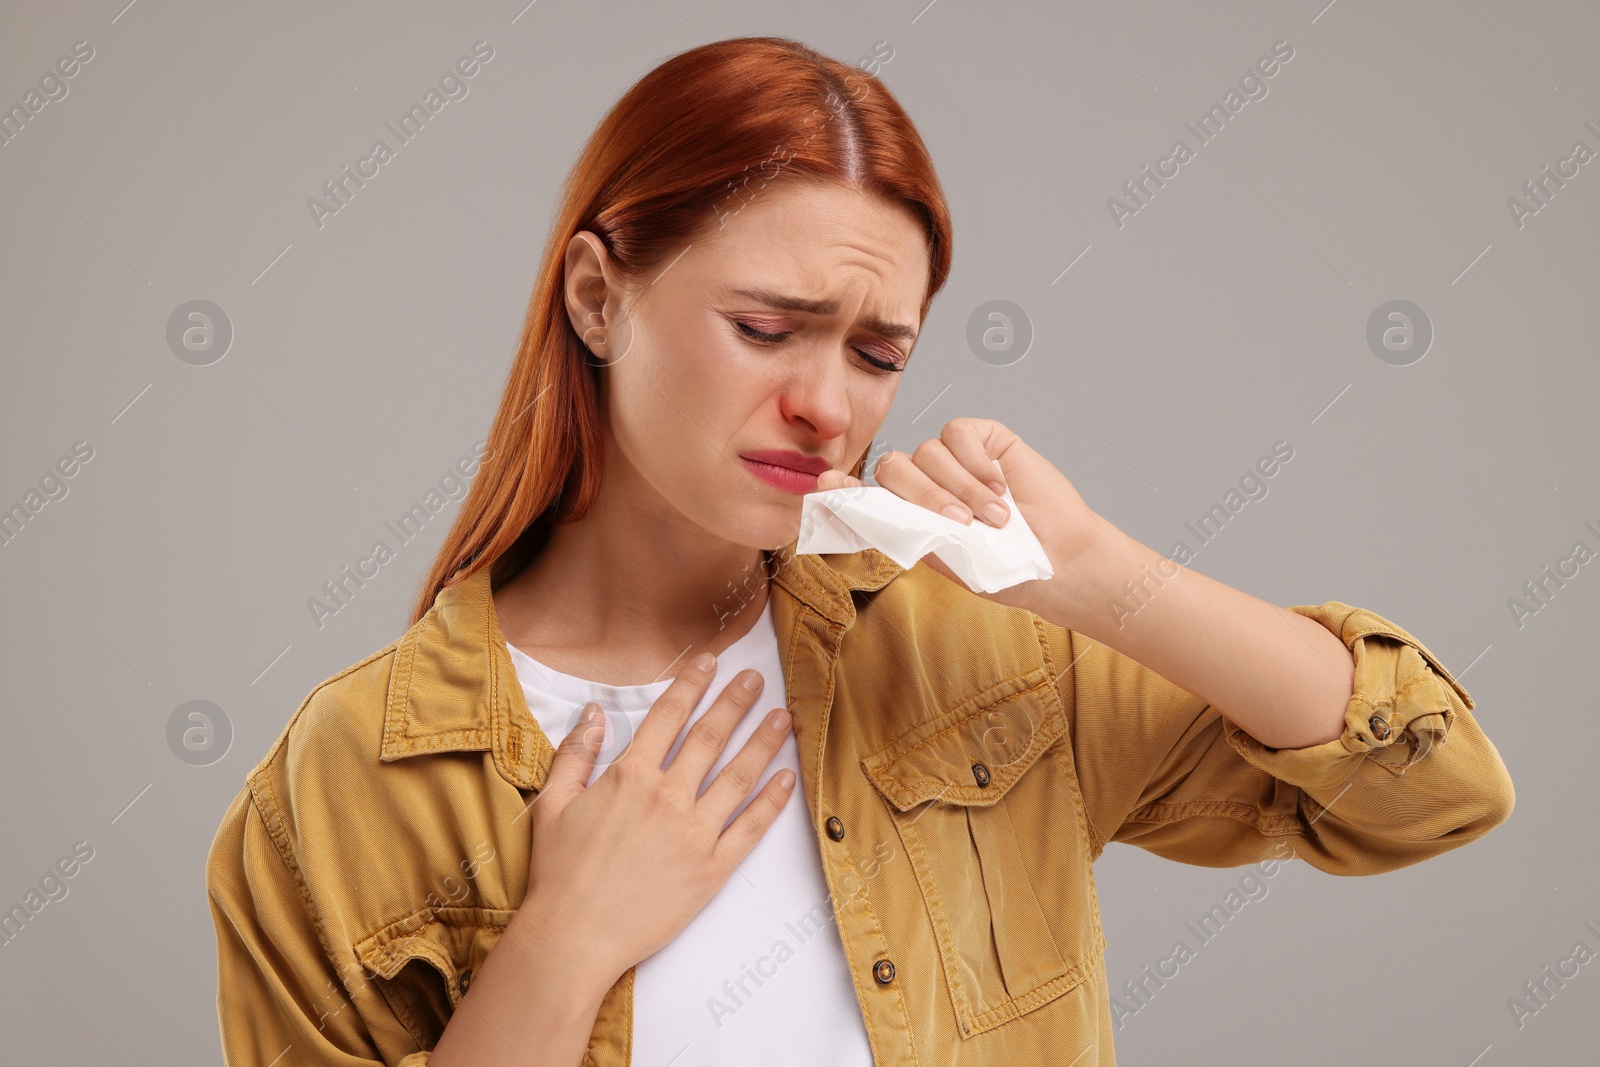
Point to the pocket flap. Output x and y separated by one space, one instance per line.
438 935
972 754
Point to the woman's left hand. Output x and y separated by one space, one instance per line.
967 467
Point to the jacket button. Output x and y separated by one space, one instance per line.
466 980
835 828
883 971
981 773
1380 727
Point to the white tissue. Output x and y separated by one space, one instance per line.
987 558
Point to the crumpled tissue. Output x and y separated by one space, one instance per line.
987 558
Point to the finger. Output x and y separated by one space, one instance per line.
735 781
575 756
934 479
664 721
977 444
741 835
710 733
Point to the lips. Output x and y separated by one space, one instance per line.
792 472
794 461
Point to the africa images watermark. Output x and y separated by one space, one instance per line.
1212 123
739 189
1252 886
736 993
744 594
1211 525
341 589
1539 993
52 487
1540 591
452 85
53 87
52 887
353 976
1539 189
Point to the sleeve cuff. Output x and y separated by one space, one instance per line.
1402 704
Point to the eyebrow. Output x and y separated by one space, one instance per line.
895 330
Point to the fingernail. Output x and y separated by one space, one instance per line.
995 513
705 661
780 719
593 714
752 681
956 512
998 488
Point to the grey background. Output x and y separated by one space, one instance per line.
1229 313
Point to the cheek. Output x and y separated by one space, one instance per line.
679 395
869 411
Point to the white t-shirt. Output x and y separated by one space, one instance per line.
759 975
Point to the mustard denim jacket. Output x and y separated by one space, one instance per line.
964 764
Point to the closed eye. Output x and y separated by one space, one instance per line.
775 338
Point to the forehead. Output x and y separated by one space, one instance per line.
819 242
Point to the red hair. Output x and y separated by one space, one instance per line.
679 153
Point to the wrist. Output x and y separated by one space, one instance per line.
1090 568
1118 581
543 941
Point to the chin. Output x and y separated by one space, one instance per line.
769 534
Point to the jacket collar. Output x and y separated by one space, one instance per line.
453 687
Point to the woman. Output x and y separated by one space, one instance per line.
744 259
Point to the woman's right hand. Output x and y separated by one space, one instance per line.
620 866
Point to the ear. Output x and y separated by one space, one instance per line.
587 287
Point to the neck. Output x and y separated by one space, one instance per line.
633 591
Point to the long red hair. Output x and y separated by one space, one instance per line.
683 149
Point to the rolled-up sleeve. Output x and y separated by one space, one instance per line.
1411 776
280 1000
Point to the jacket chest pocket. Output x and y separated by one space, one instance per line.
993 829
423 964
